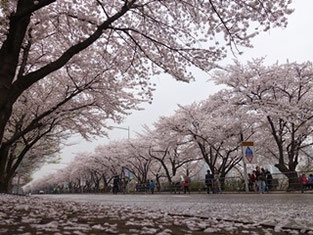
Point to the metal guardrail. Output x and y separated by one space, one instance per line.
279 182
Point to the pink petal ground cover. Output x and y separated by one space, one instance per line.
35 215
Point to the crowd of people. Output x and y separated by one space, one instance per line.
260 180
306 183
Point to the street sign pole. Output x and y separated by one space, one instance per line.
245 171
243 144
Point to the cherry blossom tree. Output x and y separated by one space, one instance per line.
137 159
141 164
69 107
31 149
172 151
280 97
44 151
214 129
115 157
48 40
97 174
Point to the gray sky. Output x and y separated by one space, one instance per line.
295 43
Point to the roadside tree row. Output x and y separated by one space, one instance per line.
69 66
270 105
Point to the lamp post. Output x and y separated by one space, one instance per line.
123 128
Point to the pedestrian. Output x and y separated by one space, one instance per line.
304 182
176 184
216 184
255 185
260 176
209 181
310 182
251 183
147 186
152 186
269 179
186 184
115 184
261 181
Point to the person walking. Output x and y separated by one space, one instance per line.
269 179
116 182
310 182
186 184
260 175
152 186
304 182
251 184
209 181
216 183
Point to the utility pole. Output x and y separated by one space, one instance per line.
245 143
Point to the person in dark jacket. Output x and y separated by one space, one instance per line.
116 182
152 186
209 181
269 179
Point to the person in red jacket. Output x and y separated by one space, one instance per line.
252 182
186 184
304 182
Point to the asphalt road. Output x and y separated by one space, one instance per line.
138 214
280 210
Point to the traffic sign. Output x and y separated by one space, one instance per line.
249 155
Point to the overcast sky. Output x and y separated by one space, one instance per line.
294 43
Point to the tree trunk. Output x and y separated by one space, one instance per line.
9 55
5 184
292 175
293 181
4 187
222 181
4 179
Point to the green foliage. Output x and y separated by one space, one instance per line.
234 184
197 186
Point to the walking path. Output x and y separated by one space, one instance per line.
155 214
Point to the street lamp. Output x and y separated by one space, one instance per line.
123 128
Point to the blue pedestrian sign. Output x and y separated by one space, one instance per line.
248 152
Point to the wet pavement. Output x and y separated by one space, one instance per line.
276 210
120 214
